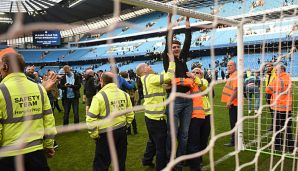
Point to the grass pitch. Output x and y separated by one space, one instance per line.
76 149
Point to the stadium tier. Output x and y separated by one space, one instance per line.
250 62
269 32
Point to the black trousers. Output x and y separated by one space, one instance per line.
199 132
133 125
233 119
149 152
157 131
102 159
55 105
74 102
34 161
268 98
280 123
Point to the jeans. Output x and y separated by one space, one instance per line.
250 92
74 102
182 116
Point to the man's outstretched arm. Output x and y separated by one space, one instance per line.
187 40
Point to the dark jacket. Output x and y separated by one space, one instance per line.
181 67
76 87
90 89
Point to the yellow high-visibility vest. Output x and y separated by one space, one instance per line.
26 116
155 93
108 100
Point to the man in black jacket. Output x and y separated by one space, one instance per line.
90 88
70 85
182 107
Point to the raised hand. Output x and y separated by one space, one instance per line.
170 21
187 23
50 82
170 55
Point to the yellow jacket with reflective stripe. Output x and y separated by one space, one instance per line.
272 77
154 92
281 90
108 100
25 112
203 86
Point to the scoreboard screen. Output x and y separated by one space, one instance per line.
46 38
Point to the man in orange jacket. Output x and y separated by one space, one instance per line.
229 96
281 104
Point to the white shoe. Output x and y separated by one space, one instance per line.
249 111
256 111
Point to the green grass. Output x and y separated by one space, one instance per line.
76 149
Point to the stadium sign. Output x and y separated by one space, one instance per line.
46 38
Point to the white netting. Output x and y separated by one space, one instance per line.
267 33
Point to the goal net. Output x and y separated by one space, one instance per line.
253 34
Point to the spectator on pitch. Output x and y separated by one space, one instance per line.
30 72
139 90
182 106
131 95
281 104
251 87
70 85
223 75
36 77
229 96
55 92
122 83
89 89
216 74
97 80
208 77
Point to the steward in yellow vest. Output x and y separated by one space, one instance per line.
155 117
108 100
270 76
27 124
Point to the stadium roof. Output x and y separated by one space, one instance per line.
66 11
54 11
12 6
